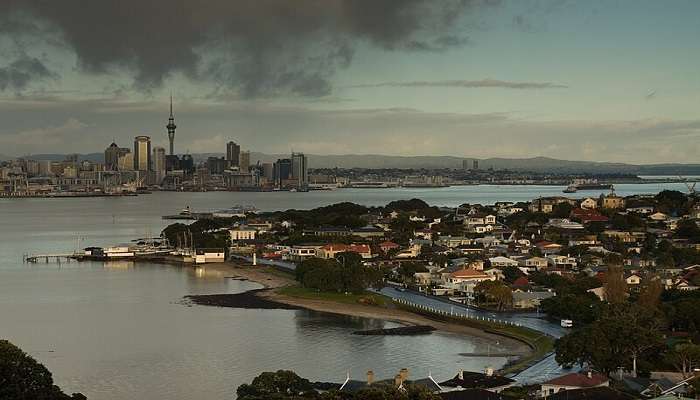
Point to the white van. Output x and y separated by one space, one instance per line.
567 323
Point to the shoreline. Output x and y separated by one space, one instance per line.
268 297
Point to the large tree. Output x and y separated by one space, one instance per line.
624 334
23 378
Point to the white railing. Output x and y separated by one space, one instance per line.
452 313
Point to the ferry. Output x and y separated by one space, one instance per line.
586 184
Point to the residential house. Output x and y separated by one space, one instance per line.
559 261
331 250
612 201
644 210
534 263
633 279
387 246
589 203
573 381
501 262
528 300
368 232
412 252
563 223
300 253
547 247
658 217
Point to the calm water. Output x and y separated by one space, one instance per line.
117 331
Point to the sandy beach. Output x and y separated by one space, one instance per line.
267 298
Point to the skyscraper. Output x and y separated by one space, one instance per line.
142 153
233 154
159 163
282 170
171 128
112 155
300 169
244 161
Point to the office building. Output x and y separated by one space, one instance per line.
233 154
142 153
172 162
126 162
300 170
112 155
244 161
187 164
475 164
159 163
268 171
216 165
283 171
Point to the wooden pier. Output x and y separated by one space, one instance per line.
57 257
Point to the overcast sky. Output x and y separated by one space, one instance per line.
579 80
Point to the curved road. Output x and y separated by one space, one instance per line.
545 369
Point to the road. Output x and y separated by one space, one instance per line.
543 370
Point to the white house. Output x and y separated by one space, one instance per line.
242 233
501 261
589 203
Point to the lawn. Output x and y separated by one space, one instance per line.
366 298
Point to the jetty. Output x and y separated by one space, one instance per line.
54 257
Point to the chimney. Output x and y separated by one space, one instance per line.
404 374
370 377
460 374
397 380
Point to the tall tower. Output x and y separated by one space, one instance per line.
171 128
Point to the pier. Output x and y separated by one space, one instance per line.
56 257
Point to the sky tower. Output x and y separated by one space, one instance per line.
171 128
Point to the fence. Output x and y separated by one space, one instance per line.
453 314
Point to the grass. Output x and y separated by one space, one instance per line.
366 298
540 343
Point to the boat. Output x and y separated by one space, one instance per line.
186 213
586 184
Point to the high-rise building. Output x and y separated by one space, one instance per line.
126 162
283 171
244 162
171 128
187 164
142 153
300 169
159 163
112 154
216 165
172 162
233 154
475 164
465 164
268 170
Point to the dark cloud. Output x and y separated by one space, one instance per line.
483 83
255 47
22 71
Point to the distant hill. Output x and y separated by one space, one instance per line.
535 164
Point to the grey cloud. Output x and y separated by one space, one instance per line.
483 83
23 71
258 48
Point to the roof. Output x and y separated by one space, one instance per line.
471 394
388 244
521 281
353 248
469 273
596 393
477 380
578 380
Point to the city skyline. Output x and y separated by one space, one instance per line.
581 81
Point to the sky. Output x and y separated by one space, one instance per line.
578 80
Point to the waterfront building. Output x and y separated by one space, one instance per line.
233 154
300 170
187 164
282 171
268 171
142 153
216 165
159 163
244 162
171 128
126 162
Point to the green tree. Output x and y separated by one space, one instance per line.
495 292
275 385
685 357
23 378
624 334
615 285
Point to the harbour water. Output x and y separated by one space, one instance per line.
118 331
